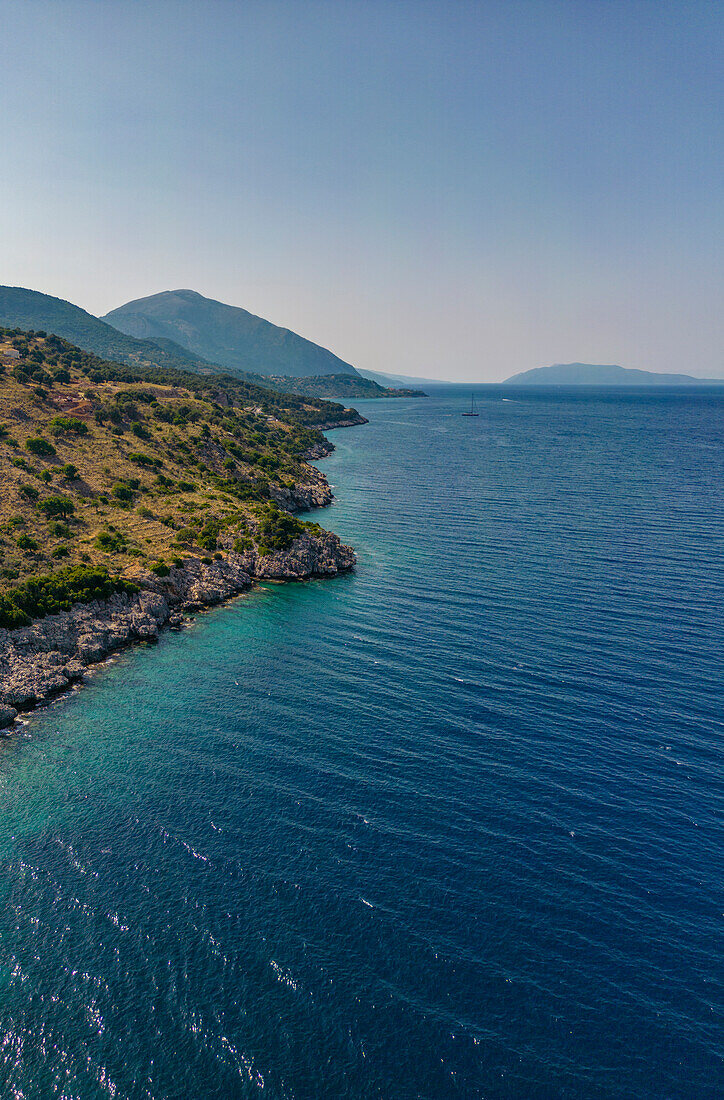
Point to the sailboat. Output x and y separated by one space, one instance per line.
472 407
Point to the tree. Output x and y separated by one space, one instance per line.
57 506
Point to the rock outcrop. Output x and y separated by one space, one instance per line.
41 660
320 555
319 450
315 493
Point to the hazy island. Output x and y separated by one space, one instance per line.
597 374
133 493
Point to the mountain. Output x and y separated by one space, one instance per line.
31 310
400 379
334 387
591 374
226 335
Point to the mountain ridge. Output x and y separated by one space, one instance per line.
226 335
27 309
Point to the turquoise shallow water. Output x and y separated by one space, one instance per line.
447 827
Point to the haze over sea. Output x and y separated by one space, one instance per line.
447 827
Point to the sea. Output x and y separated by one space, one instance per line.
451 826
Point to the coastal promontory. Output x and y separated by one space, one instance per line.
132 495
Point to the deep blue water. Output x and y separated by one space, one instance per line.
447 827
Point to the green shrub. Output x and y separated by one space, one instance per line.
113 542
276 530
160 569
69 471
38 446
121 491
29 491
26 543
61 425
60 552
207 537
58 530
143 460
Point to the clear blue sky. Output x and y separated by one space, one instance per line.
451 190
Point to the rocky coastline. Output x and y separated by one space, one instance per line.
157 494
351 421
46 658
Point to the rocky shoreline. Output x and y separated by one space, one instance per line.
46 658
349 422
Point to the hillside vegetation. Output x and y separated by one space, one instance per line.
109 470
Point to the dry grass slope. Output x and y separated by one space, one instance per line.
132 476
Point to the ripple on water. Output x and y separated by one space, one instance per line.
448 827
